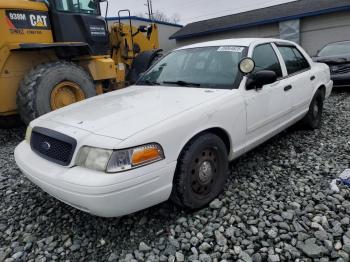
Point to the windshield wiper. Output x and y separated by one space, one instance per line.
149 83
182 83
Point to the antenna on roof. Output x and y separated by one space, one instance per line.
150 9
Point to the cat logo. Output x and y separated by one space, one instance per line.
38 20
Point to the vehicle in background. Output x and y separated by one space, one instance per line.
173 133
337 57
54 53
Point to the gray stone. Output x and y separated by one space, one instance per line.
204 258
181 220
321 235
257 257
312 250
220 239
346 248
288 215
328 244
194 241
230 232
343 255
277 218
273 258
272 233
215 204
338 245
143 247
346 240
17 255
245 257
284 226
179 257
75 247
204 247
170 250
113 257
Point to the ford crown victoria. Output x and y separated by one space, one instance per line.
173 134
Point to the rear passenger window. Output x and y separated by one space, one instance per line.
295 61
265 58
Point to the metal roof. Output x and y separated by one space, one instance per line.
267 15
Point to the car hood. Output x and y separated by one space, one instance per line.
121 114
333 60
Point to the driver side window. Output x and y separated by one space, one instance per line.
265 58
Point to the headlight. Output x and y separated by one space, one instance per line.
119 160
93 158
29 134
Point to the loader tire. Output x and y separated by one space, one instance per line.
51 86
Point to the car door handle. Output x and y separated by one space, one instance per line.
312 78
287 88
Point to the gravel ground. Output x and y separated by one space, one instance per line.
277 206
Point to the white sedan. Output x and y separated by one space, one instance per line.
173 134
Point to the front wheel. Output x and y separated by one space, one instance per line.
313 118
51 86
201 172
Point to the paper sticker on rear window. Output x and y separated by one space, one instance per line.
234 49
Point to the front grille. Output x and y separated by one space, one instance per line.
53 146
343 70
340 69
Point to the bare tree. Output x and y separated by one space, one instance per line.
160 16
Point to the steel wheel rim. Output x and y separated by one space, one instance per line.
66 93
204 168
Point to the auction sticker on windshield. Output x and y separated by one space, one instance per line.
234 49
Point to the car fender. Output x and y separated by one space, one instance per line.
173 134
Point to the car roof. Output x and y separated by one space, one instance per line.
340 42
245 42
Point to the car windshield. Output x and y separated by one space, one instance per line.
204 67
335 49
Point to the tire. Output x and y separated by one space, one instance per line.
313 118
34 93
7 122
194 186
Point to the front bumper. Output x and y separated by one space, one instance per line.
341 79
329 88
106 195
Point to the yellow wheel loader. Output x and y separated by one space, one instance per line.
57 52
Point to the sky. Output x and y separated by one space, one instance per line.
191 10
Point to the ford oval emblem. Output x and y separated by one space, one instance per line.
46 146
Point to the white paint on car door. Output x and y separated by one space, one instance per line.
269 107
299 74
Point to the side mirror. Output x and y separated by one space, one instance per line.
259 79
246 66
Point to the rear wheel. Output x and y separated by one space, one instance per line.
201 172
313 118
51 86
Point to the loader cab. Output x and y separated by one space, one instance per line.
80 21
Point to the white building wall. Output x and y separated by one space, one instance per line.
315 32
318 31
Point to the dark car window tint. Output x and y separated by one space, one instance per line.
265 58
294 60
